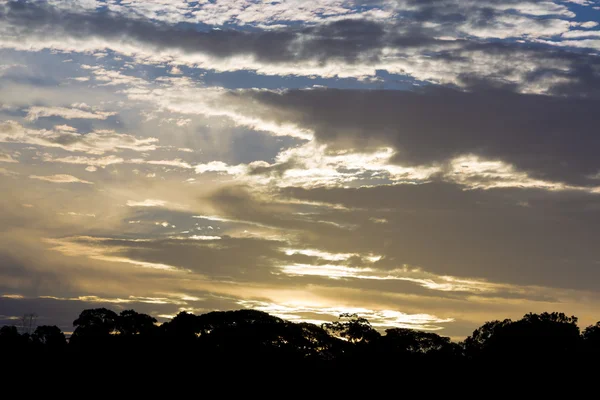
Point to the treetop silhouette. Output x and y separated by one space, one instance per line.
244 336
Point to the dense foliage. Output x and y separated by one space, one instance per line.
245 339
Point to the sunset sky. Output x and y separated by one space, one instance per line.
431 164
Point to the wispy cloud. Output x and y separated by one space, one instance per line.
7 158
378 318
67 138
82 112
60 178
146 203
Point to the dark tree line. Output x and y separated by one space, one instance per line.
247 338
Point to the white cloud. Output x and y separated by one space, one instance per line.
66 138
33 113
177 163
477 173
60 178
83 160
7 158
181 95
221 167
102 162
509 26
312 165
93 249
175 70
156 203
378 220
117 300
584 43
6 172
413 275
245 12
196 237
587 24
296 311
575 34
76 214
147 203
113 78
181 122
320 254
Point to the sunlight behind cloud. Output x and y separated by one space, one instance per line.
378 318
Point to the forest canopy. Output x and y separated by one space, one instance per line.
244 335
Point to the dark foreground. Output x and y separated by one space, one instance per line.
248 347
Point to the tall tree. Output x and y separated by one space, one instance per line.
49 336
130 322
96 323
353 328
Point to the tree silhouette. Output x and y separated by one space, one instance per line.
482 339
131 323
401 340
591 339
184 326
353 328
314 341
245 339
94 325
9 331
11 340
49 336
535 337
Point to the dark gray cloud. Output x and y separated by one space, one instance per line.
515 236
239 259
552 138
19 275
346 39
352 41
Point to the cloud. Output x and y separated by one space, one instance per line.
242 12
103 162
155 203
181 95
548 138
146 203
60 178
130 299
377 318
33 113
390 139
430 42
102 253
76 214
426 208
148 253
66 138
222 256
7 158
416 275
6 172
108 77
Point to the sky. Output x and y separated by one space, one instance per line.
426 164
